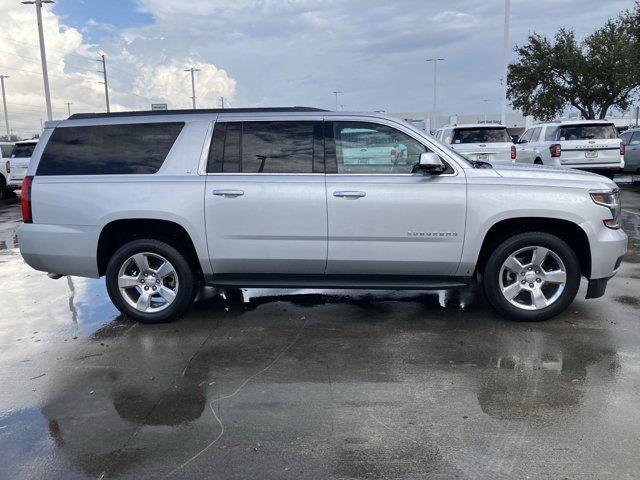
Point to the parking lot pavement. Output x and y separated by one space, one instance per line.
298 384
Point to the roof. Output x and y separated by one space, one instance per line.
475 125
196 111
575 122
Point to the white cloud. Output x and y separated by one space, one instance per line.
167 82
136 79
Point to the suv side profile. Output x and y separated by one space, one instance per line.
161 202
591 145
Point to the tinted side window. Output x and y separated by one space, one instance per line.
108 149
551 134
23 150
526 136
267 147
6 150
535 135
635 140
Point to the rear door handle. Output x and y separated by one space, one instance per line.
228 193
348 194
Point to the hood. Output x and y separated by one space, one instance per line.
549 174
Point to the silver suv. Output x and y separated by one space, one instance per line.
162 202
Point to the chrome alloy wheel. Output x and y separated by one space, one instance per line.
533 278
148 282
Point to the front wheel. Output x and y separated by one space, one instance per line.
531 277
150 281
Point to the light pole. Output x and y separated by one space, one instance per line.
43 55
336 93
435 91
484 109
69 107
106 83
4 103
505 62
193 83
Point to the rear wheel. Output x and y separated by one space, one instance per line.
4 191
531 277
150 281
538 161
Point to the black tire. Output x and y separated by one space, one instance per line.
4 191
187 280
493 267
538 161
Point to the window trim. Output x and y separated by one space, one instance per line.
226 118
379 121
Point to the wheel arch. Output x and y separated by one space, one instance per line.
118 232
567 230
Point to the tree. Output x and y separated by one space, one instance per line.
593 75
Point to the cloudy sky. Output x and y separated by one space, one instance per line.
271 52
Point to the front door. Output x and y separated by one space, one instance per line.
265 202
382 218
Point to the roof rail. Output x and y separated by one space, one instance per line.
139 113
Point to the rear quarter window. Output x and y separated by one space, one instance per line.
108 149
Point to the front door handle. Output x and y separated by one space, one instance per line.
228 193
347 194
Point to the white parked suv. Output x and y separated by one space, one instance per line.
5 167
19 161
591 145
161 202
484 142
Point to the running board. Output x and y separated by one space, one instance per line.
369 282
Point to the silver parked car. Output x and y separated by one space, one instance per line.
631 139
159 202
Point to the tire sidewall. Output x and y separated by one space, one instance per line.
491 277
184 273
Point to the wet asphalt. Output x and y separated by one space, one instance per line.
316 384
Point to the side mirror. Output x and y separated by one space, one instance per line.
429 164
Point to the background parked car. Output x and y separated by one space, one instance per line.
591 145
5 152
483 142
19 161
631 139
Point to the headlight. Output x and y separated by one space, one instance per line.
611 200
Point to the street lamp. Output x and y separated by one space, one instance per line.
193 84
43 55
505 62
336 93
435 83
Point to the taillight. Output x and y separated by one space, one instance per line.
513 152
555 150
622 148
25 194
8 166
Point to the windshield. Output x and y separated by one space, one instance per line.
481 135
588 132
22 150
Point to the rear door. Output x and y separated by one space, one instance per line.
19 162
590 144
382 218
265 201
632 153
524 153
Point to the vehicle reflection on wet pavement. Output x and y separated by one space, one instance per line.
316 384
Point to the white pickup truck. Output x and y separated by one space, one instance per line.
161 202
